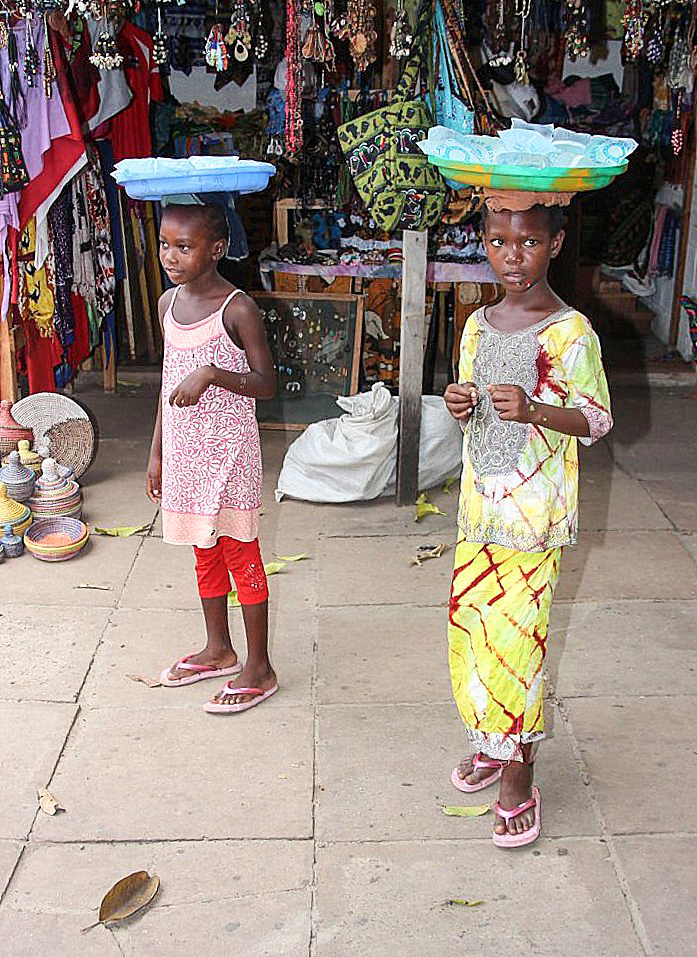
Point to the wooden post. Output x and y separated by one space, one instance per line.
691 147
8 368
411 361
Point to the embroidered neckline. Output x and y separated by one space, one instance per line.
534 328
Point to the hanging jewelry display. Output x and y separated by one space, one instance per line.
239 36
13 169
654 44
520 65
576 29
294 79
633 28
16 103
4 32
261 41
401 36
49 74
216 52
106 54
358 27
160 43
31 57
317 45
677 137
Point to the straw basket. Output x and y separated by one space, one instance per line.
56 539
60 424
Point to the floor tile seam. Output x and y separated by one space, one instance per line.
313 929
38 811
71 912
8 882
452 841
631 904
34 842
639 477
629 694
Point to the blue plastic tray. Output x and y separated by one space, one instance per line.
154 178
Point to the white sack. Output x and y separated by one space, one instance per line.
354 458
348 459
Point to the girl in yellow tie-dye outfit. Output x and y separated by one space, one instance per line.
531 381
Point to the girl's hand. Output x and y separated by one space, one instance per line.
153 479
460 400
190 390
511 403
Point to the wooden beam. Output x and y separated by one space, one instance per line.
411 362
8 366
691 146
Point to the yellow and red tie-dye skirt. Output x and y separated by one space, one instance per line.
497 635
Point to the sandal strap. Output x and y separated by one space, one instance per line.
228 689
516 812
184 665
481 761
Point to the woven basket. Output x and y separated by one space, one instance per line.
72 443
35 539
62 425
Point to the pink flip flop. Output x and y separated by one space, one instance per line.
478 761
527 837
201 673
259 693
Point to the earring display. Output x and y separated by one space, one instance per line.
315 341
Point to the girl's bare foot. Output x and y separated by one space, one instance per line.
516 785
253 676
466 771
226 659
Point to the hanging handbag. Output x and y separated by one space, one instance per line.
399 187
450 111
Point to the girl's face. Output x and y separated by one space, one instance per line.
187 249
520 246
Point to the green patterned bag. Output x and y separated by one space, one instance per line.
398 185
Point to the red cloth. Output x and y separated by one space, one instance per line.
576 94
130 129
82 76
42 354
80 349
243 560
64 152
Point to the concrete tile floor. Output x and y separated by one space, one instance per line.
312 827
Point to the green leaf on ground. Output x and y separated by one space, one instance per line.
475 811
423 508
293 558
450 484
123 531
460 902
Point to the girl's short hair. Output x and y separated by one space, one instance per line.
556 217
216 221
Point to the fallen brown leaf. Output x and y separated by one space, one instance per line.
47 802
126 897
150 682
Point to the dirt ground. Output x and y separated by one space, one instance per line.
312 825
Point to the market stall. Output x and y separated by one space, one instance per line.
319 89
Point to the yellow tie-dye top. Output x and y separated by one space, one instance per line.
520 482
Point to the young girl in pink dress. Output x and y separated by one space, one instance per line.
205 459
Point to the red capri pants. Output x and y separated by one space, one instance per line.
242 560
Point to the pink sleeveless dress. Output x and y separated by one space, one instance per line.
211 454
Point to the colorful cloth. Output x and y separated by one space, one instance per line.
211 454
520 482
497 638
